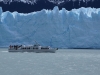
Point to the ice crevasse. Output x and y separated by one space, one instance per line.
78 28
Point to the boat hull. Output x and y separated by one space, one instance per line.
33 50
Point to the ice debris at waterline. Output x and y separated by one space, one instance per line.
78 28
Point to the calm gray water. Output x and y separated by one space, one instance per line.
63 62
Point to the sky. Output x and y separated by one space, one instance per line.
23 7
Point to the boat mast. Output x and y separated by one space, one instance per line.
36 43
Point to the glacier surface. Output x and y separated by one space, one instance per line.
78 28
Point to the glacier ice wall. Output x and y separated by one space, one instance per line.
78 28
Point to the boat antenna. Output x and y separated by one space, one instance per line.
36 43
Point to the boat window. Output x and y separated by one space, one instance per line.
44 48
35 48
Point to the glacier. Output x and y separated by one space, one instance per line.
78 28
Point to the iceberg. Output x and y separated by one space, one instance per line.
78 28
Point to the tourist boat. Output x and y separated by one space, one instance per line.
33 48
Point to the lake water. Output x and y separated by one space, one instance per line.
63 62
